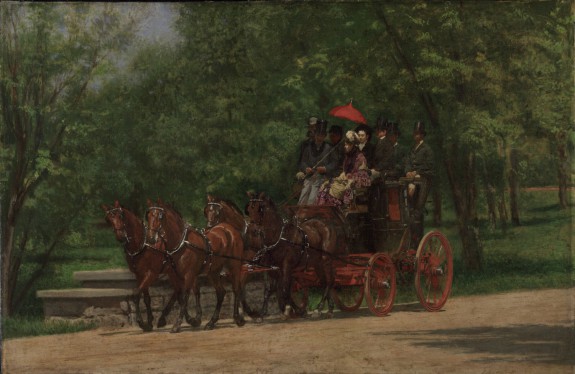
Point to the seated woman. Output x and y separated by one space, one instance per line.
338 191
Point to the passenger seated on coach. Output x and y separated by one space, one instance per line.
317 164
339 191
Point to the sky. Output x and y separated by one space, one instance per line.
157 26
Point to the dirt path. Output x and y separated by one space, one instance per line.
522 332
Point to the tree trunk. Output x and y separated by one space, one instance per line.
489 191
8 230
465 209
514 186
562 169
502 208
437 202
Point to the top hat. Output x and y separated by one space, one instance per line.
381 124
335 129
419 127
321 127
393 129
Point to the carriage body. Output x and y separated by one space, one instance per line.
376 228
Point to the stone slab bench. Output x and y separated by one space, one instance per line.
105 297
73 302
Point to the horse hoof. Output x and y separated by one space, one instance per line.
316 314
144 327
210 326
176 329
195 322
258 320
240 322
161 322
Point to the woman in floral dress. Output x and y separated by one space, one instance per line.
338 191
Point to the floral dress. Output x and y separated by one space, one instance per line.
338 191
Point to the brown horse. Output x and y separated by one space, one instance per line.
146 264
295 246
219 210
193 252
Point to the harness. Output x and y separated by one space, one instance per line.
168 254
304 246
126 242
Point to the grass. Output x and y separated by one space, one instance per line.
17 327
535 255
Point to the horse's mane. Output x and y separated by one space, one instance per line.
232 205
172 208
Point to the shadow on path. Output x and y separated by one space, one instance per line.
526 343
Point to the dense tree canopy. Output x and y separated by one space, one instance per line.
223 106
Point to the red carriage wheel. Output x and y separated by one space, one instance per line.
434 271
299 296
348 298
380 284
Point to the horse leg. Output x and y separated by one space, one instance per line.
267 294
136 299
183 301
257 317
237 286
162 321
220 293
197 320
143 288
284 299
148 303
327 278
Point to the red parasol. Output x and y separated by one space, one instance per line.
348 112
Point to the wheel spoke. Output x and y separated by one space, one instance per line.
434 265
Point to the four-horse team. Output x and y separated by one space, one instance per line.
347 238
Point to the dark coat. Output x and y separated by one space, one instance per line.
312 155
399 158
368 151
383 155
420 160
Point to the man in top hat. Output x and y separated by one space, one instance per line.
383 151
420 167
316 164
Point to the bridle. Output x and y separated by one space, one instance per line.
261 210
159 233
217 211
124 232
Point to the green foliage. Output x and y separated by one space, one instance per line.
223 109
